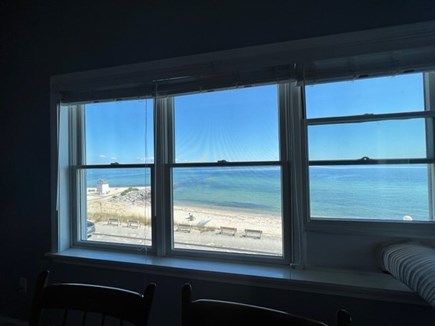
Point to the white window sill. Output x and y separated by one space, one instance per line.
368 285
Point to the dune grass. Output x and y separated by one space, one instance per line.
123 218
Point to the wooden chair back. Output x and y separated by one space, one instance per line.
86 301
217 313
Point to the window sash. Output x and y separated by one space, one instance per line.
170 164
428 114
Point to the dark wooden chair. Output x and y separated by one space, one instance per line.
217 313
87 304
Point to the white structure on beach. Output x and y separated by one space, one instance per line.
102 187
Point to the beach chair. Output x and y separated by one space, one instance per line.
250 233
181 227
113 221
228 230
134 224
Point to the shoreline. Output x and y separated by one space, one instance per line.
195 215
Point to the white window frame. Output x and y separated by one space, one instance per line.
162 225
79 166
428 114
377 52
281 163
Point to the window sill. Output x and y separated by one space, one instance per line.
367 285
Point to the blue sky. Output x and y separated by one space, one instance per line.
241 124
401 93
377 140
232 125
116 132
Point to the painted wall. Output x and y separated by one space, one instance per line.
43 38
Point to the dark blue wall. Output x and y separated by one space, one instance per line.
43 38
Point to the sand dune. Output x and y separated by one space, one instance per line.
132 204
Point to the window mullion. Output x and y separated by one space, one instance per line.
161 220
66 190
285 158
296 172
169 159
429 92
77 157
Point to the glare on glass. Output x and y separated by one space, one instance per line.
118 205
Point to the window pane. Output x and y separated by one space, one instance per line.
118 206
402 93
381 192
236 199
231 125
119 132
376 140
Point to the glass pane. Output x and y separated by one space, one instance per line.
403 93
382 192
118 206
376 140
228 210
120 131
231 125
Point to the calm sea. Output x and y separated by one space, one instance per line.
351 192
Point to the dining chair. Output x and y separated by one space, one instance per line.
88 304
218 312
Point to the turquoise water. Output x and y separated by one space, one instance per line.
381 192
256 189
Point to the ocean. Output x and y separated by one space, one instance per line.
357 192
381 192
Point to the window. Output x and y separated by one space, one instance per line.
369 151
222 157
251 158
115 163
226 171
226 176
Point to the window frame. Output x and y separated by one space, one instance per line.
77 166
172 164
289 64
428 114
161 169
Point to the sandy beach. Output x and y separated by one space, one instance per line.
204 222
